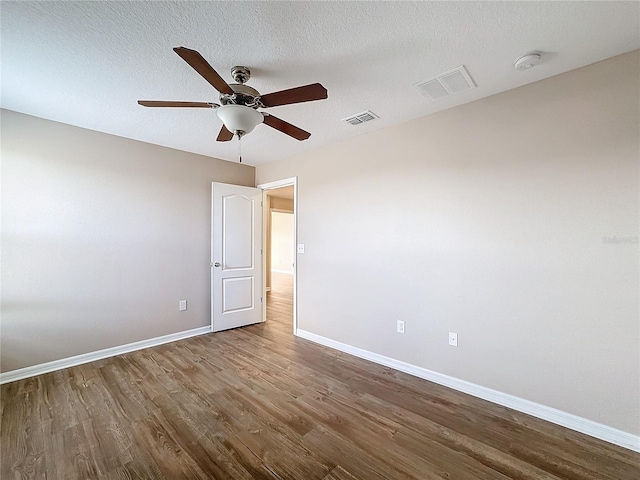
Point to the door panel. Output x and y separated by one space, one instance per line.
237 228
236 263
237 294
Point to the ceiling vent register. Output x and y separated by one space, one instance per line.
360 118
449 83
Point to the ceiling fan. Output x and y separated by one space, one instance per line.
239 102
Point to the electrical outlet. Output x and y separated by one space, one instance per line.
400 326
453 339
301 248
182 305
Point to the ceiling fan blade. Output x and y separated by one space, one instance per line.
224 135
161 103
306 93
284 127
200 65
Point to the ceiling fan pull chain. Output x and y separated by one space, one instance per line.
240 147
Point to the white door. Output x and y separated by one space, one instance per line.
236 263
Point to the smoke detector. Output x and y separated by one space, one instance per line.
527 61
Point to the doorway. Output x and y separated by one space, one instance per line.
279 200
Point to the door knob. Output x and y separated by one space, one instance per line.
217 264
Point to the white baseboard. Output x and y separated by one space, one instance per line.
288 272
54 365
559 417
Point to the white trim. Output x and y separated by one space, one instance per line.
287 272
285 182
54 365
568 420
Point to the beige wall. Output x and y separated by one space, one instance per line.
282 256
495 220
278 203
282 204
101 237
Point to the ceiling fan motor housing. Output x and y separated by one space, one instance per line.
243 95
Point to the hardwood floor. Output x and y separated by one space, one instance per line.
258 402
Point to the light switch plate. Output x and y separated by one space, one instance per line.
182 305
301 248
453 339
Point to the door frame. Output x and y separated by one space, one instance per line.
285 182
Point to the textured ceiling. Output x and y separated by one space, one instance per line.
87 63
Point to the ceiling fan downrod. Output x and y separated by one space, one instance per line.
240 74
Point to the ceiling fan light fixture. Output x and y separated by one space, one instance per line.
238 118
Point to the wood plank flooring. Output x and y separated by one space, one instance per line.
260 403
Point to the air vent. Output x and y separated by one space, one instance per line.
360 118
449 83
